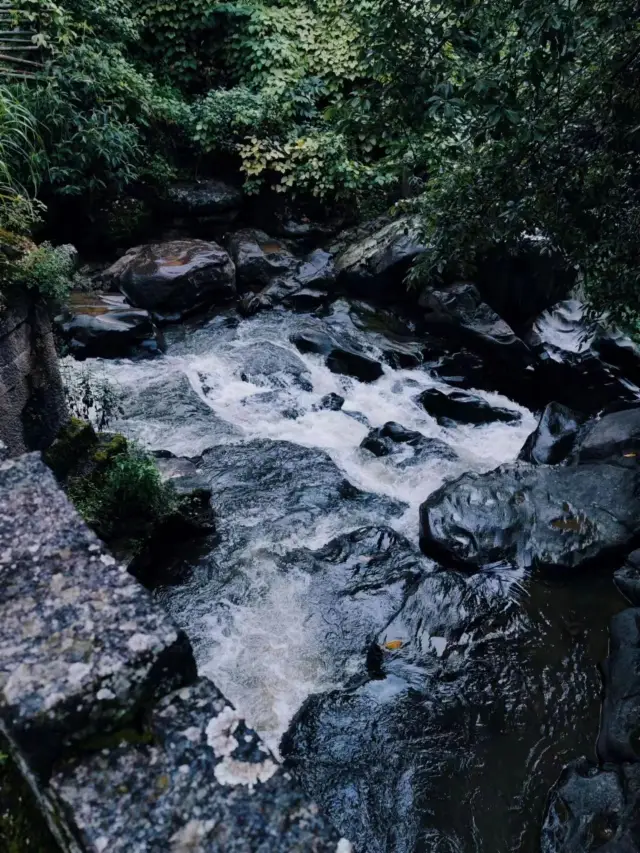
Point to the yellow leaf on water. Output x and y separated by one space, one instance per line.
393 645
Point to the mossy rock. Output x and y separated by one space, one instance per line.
75 441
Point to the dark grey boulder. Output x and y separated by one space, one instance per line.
349 363
627 578
331 402
529 516
259 258
619 738
375 267
274 294
554 437
593 809
210 198
616 435
104 326
408 446
317 271
459 311
175 278
465 408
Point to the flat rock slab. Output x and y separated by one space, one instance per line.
204 784
534 516
82 645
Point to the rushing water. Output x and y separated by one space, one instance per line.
273 623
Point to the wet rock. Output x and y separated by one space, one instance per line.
317 271
331 402
627 578
259 258
376 266
407 446
619 738
565 342
359 581
403 355
306 299
591 809
554 436
530 516
459 311
614 436
82 646
312 340
349 363
175 278
265 363
460 407
203 783
104 326
203 199
274 294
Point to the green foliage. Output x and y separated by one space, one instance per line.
19 175
123 494
46 270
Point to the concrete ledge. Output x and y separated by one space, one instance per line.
124 749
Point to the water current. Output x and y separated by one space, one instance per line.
273 623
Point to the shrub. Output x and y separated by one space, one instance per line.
46 270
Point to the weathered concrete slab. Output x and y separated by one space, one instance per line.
82 645
205 784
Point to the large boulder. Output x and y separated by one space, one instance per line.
317 271
615 435
528 516
566 342
460 312
211 199
272 366
593 809
461 407
175 278
375 267
104 326
554 437
259 258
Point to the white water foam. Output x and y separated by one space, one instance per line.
267 653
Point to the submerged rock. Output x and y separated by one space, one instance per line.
554 437
459 407
529 516
331 402
592 808
266 363
175 278
375 267
410 447
104 326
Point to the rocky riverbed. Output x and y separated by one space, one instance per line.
419 513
